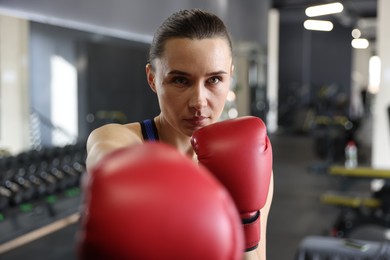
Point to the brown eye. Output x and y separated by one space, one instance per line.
180 80
214 80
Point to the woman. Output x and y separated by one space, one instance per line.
190 69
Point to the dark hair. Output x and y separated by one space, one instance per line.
192 24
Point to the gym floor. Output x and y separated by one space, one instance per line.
296 210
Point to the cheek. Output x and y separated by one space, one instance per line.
171 100
221 96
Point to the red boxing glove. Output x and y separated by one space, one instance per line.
148 201
239 153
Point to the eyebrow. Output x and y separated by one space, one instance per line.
179 72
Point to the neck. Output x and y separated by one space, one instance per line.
168 134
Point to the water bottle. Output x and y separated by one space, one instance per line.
351 160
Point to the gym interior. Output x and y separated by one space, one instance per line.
68 67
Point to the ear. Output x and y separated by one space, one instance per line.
232 70
150 75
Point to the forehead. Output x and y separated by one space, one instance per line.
197 52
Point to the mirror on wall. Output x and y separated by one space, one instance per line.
76 81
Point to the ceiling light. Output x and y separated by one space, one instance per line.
356 33
318 25
231 96
324 9
360 43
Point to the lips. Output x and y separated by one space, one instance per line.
198 121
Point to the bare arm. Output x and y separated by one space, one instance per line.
108 138
260 252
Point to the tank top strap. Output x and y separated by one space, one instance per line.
149 130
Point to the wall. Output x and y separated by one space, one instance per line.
110 77
117 89
308 61
14 102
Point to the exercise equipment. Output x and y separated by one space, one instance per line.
322 248
356 209
38 188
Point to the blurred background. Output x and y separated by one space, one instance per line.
321 82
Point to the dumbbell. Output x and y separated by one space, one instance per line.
20 188
73 176
17 194
5 194
22 180
67 161
50 181
5 198
39 184
62 180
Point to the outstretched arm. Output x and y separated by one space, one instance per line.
108 138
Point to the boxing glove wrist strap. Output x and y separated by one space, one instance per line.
252 230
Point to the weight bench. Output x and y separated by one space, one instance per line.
359 172
351 200
354 200
321 248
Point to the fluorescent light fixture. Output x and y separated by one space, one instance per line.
360 43
356 33
318 25
374 74
325 9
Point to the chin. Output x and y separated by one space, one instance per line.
189 131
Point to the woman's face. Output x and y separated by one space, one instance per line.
192 80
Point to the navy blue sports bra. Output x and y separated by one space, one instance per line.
149 130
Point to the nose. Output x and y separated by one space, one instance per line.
198 99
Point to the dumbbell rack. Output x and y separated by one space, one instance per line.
39 193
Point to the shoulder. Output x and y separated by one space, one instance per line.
130 127
110 137
117 132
